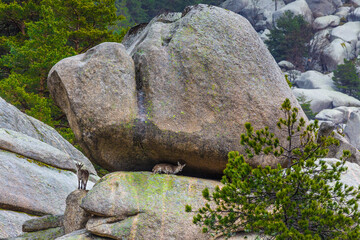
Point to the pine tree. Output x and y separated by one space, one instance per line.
306 200
346 79
289 39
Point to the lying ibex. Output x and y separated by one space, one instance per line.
83 176
167 168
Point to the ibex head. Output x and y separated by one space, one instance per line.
179 168
79 165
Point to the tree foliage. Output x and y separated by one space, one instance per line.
346 79
35 35
142 11
289 39
306 200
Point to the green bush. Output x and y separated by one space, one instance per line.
306 200
289 39
346 79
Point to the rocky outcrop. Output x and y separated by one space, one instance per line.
43 188
142 205
13 119
35 149
75 217
199 77
11 222
37 171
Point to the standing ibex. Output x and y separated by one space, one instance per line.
167 168
83 176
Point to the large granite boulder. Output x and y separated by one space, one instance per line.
198 77
142 205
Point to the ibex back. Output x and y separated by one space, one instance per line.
83 176
167 168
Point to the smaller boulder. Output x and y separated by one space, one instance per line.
299 7
286 66
338 115
323 7
343 12
348 32
75 217
326 21
42 223
335 53
235 5
323 99
51 233
82 234
315 80
265 35
354 15
352 129
336 151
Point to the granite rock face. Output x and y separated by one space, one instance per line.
197 77
142 205
13 119
37 171
75 218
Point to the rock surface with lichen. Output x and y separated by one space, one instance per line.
192 81
142 205
37 172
